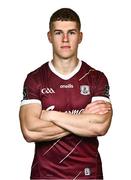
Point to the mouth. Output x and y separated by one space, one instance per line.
65 47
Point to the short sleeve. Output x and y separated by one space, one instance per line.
101 88
31 92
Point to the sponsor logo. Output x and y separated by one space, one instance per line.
87 171
47 91
50 108
66 86
84 89
74 111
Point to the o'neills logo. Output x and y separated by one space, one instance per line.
66 86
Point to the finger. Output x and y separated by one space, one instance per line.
101 108
101 105
97 110
96 103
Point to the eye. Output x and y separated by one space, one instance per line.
72 32
57 32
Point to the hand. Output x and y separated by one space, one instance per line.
98 107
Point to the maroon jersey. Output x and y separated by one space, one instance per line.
70 157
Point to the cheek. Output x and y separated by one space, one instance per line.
56 41
75 43
76 40
56 46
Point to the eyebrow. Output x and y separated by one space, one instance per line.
62 30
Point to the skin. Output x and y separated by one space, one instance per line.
41 125
93 121
65 38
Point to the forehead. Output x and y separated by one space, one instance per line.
64 25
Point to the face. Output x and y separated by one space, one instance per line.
65 38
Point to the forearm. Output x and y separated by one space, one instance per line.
48 134
82 124
44 131
34 128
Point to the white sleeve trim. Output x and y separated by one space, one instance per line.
96 98
30 101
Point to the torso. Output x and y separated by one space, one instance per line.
72 156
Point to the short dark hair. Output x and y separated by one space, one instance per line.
65 14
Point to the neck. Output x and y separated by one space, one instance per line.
65 66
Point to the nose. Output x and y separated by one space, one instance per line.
65 38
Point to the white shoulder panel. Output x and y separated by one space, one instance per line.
96 98
30 101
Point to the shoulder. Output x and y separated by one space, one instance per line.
37 73
92 72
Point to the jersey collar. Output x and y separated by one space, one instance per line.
65 77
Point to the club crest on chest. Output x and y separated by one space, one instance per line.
84 90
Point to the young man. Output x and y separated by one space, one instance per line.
65 107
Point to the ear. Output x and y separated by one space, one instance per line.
49 37
80 37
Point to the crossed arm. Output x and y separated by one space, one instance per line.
38 125
35 128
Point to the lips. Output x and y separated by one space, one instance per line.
65 47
